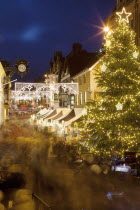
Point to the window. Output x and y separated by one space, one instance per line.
84 78
139 25
55 97
72 100
80 81
52 96
85 97
80 98
132 23
77 99
118 3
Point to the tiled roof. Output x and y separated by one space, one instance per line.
81 61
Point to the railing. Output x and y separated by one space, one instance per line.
40 204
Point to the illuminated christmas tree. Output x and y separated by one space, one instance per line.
112 123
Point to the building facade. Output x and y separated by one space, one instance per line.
87 84
67 67
2 98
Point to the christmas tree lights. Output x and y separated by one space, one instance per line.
111 125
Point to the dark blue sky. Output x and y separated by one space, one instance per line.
35 29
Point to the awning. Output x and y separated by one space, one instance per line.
74 119
60 114
65 113
44 115
51 114
69 116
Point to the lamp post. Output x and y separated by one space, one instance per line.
21 67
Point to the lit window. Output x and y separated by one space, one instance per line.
118 2
72 100
131 23
80 98
77 99
52 97
84 78
80 81
85 97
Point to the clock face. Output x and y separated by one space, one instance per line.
22 68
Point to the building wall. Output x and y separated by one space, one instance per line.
84 86
2 111
68 66
87 86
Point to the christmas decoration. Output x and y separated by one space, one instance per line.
135 54
103 68
119 106
123 15
111 125
30 91
84 112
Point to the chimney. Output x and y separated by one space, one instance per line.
57 55
76 48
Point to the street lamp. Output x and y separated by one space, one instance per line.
106 29
21 67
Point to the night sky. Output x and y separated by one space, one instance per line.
35 29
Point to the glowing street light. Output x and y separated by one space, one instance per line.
106 28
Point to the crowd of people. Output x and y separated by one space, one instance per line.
19 200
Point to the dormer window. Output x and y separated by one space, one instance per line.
131 22
66 72
118 3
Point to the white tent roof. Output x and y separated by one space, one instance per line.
43 111
65 113
73 119
57 112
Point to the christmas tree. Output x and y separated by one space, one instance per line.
112 123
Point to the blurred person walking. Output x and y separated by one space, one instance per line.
23 200
1 198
